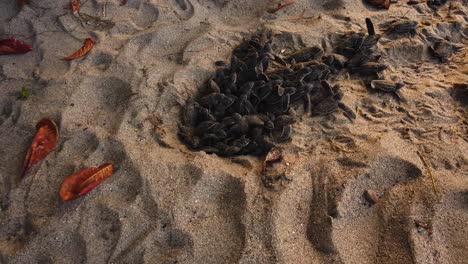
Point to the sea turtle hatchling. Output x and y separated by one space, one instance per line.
386 86
307 54
400 26
443 49
369 68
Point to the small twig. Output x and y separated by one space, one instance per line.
104 9
281 6
75 5
429 170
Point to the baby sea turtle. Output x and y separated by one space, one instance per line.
248 105
332 102
369 68
443 49
347 110
370 27
282 134
307 54
386 86
324 107
334 61
213 87
402 26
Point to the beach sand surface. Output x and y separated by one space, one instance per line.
165 203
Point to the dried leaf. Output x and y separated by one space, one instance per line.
83 181
281 6
123 2
88 45
21 3
13 46
75 5
43 143
379 3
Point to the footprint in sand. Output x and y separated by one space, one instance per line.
175 246
64 246
42 199
187 7
102 61
147 15
215 209
450 227
9 110
155 227
322 210
341 225
100 228
366 233
102 102
126 183
405 50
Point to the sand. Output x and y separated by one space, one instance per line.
167 204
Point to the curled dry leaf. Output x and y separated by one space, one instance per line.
22 2
44 141
87 46
83 181
379 3
75 5
13 46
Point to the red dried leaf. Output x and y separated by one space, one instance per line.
88 45
83 181
44 142
123 2
281 6
13 46
379 3
22 2
75 5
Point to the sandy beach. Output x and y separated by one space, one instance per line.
353 192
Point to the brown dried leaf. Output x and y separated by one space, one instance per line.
21 3
88 45
83 181
75 5
44 141
379 3
13 46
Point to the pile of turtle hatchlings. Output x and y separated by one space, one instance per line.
248 106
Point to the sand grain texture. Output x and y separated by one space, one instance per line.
166 204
